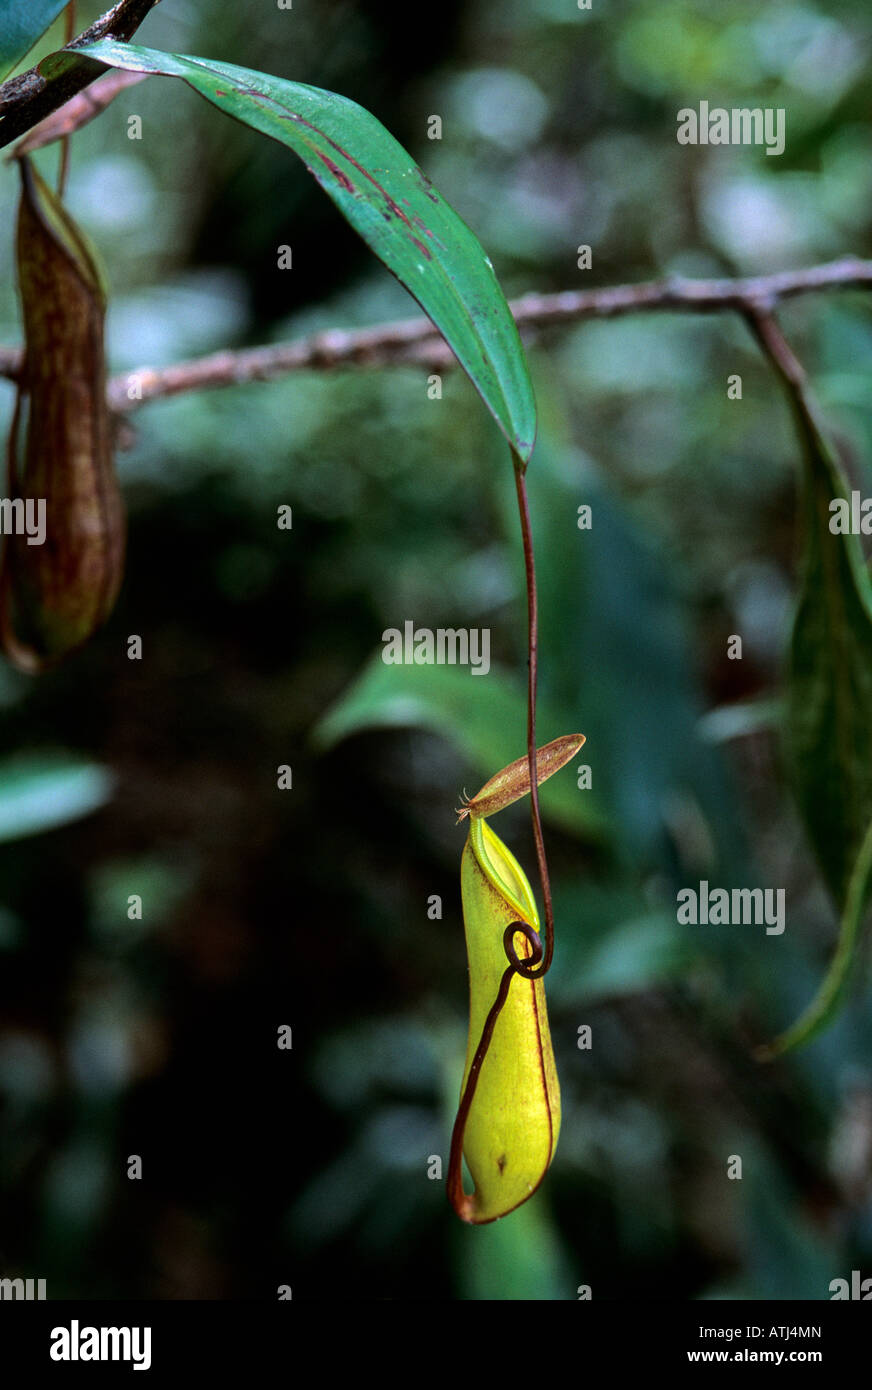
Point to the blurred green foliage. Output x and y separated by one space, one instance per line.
309 908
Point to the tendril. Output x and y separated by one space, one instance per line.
532 967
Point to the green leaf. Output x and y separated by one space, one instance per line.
22 22
643 953
740 719
825 1005
481 715
39 793
829 707
387 199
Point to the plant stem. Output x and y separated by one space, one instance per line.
541 960
69 33
532 681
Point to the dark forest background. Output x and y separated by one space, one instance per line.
261 647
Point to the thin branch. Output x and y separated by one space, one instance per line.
695 296
409 341
776 347
416 341
28 99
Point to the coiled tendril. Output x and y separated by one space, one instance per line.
532 967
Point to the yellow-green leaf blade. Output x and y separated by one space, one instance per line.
825 1005
829 713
